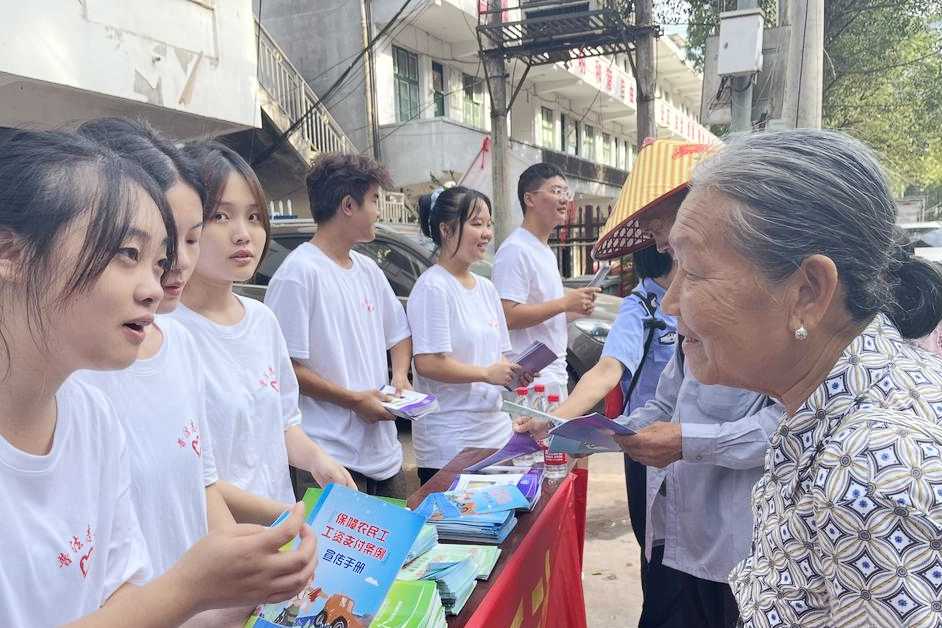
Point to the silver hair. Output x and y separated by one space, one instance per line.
803 192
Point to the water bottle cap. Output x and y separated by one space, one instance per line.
539 387
553 398
522 391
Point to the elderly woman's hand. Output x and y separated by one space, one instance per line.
657 445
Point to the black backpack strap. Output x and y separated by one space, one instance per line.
652 324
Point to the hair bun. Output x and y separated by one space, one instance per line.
918 293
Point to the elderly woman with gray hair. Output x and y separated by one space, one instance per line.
792 282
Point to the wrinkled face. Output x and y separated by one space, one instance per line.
734 320
365 215
188 216
102 328
233 239
476 234
657 221
549 202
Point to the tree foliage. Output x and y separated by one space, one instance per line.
882 76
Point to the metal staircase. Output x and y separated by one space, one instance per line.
286 97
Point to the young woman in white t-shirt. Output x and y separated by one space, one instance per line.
251 388
85 237
459 335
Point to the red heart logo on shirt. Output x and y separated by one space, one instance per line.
83 563
196 446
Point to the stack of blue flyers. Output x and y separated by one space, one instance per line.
484 515
427 539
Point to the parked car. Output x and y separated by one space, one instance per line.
925 239
403 253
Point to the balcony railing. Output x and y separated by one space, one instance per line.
286 98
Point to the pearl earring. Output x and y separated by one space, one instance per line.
801 333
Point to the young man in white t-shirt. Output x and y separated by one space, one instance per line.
339 316
527 277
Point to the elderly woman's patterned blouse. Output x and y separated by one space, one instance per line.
848 515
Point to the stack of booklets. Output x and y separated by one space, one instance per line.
529 483
483 556
410 404
481 515
427 539
362 542
411 604
455 574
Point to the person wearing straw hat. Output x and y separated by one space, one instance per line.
704 446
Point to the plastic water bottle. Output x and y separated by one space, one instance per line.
554 464
539 397
537 402
523 400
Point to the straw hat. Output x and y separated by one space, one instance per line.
661 170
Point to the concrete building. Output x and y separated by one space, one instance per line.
187 65
420 98
193 68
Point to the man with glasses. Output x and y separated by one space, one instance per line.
527 277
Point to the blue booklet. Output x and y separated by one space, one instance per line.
590 434
362 543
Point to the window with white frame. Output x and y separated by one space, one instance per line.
406 74
473 90
589 143
547 127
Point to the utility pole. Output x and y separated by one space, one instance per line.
369 83
495 69
741 101
644 70
805 69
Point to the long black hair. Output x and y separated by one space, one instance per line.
50 179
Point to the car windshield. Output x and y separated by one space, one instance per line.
483 267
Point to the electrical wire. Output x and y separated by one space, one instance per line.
307 114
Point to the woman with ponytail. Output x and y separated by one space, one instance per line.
459 334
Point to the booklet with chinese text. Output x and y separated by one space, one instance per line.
528 483
362 543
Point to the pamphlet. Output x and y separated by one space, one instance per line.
411 604
588 434
533 359
410 405
600 276
528 483
516 409
361 544
518 445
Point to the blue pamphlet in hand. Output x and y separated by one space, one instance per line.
533 359
588 434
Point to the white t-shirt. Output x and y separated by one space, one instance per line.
251 397
525 272
469 326
339 322
69 537
160 402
